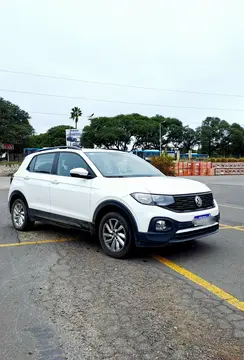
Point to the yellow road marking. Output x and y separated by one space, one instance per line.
223 227
201 282
186 273
36 242
239 228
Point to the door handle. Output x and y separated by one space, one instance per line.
26 177
55 182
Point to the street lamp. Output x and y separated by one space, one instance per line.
160 138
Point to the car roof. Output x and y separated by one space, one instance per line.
73 148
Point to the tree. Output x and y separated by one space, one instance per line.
87 137
15 127
145 132
55 136
75 114
108 132
214 135
120 131
190 139
171 131
236 140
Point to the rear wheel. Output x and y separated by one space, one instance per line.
115 235
19 215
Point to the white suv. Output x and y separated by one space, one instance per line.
116 195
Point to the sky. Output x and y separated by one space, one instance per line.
183 45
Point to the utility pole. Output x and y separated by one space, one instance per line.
160 139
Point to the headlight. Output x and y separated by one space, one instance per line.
153 199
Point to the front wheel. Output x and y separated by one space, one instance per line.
19 215
115 235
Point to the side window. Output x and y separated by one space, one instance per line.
31 165
44 163
69 161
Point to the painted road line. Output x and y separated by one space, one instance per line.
232 206
201 282
37 242
238 228
223 227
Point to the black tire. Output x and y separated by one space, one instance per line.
111 240
19 210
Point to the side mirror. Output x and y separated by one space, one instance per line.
80 173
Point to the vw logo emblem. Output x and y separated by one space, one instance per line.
198 201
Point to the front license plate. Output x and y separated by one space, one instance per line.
203 220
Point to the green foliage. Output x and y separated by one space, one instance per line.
10 163
75 114
230 159
55 136
111 133
165 164
189 138
120 131
218 138
15 127
215 136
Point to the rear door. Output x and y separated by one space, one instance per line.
37 179
70 196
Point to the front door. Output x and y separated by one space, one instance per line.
70 196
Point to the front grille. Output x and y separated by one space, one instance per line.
186 203
196 233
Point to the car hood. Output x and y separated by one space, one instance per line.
160 185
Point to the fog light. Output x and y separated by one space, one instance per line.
160 225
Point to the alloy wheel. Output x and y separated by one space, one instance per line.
18 215
114 235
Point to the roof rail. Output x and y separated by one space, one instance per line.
59 147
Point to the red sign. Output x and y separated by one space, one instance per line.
8 146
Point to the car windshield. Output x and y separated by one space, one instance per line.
120 164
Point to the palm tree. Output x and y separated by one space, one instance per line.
75 114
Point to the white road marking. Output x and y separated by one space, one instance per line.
232 206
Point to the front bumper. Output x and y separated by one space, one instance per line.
180 232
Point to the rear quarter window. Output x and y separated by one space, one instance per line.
42 163
31 165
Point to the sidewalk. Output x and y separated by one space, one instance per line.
4 183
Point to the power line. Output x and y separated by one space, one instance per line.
50 113
87 117
47 113
120 85
120 102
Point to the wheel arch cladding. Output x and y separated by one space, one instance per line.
14 196
113 206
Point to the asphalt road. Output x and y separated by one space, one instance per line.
220 259
67 300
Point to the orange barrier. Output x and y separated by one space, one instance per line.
196 168
210 172
203 168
